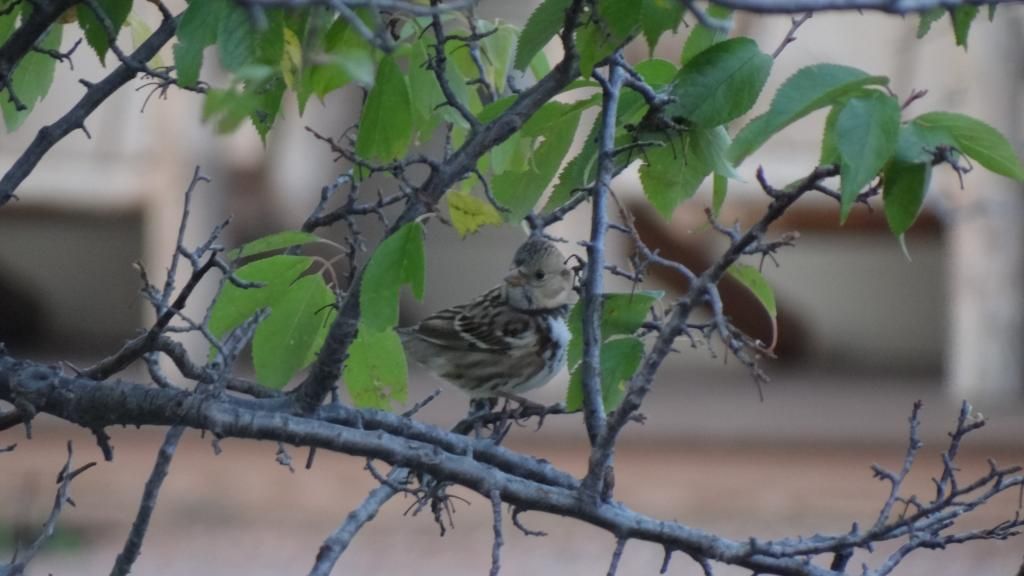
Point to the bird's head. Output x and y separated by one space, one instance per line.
540 279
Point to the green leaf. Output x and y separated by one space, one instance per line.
929 17
558 137
385 129
520 190
804 92
398 260
469 213
720 187
276 241
720 83
235 305
963 16
658 17
31 79
657 72
702 37
188 60
751 277
376 372
8 20
230 107
615 22
829 146
917 143
580 171
621 18
267 95
512 154
236 38
517 191
348 58
541 27
621 314
140 33
539 66
95 34
201 21
619 360
674 172
498 49
427 94
903 191
665 180
977 140
554 118
283 343
866 130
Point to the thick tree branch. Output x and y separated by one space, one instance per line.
524 482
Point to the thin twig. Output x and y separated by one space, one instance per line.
137 534
498 539
795 23
23 557
620 546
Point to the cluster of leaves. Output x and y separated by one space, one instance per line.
683 137
682 133
300 306
622 315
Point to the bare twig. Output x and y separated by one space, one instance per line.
438 63
795 23
498 539
620 546
147 342
23 557
339 540
133 543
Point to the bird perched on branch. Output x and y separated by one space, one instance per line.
512 339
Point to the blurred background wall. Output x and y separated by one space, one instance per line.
864 332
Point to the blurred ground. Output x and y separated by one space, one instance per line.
242 513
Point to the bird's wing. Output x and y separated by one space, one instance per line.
470 327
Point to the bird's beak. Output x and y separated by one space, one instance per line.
515 279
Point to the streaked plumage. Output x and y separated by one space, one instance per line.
511 339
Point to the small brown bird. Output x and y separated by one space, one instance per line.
511 339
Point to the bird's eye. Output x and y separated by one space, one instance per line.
539 275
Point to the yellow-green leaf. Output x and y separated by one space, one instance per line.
291 58
468 213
